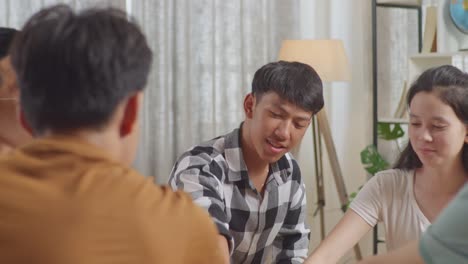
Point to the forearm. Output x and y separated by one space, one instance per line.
408 254
322 256
342 238
325 253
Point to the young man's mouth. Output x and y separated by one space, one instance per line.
275 147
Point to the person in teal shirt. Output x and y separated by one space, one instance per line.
445 241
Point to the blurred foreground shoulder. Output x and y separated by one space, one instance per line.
183 227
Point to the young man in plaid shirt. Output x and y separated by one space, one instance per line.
247 180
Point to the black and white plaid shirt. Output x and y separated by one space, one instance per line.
272 227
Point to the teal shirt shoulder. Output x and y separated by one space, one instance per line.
446 240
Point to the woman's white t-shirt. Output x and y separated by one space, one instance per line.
388 197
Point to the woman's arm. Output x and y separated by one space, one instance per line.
343 237
407 254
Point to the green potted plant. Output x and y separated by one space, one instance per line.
372 160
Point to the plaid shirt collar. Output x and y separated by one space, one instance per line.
237 167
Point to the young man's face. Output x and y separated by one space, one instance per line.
276 125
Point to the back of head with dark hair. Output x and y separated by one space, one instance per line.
6 38
451 87
75 68
296 82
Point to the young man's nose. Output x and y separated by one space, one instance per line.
283 130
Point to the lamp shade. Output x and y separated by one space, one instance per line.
327 57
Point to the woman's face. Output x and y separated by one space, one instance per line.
436 133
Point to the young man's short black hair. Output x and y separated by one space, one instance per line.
296 82
74 68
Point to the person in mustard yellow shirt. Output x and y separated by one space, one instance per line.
12 133
69 196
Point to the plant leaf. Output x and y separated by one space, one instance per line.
389 131
352 196
372 160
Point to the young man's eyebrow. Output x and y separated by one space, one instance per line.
277 105
301 118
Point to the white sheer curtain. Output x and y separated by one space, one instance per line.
348 105
205 55
397 36
14 13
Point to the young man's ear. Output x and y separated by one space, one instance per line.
24 123
249 104
9 83
130 115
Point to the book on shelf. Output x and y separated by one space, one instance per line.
430 31
400 2
400 111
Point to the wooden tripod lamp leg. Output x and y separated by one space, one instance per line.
319 176
325 131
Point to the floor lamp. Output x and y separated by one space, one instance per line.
328 58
